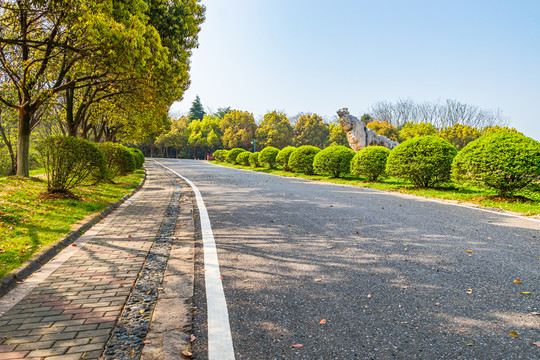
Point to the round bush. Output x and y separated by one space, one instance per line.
120 160
69 161
370 162
267 157
425 161
243 158
254 159
232 154
282 158
334 160
504 161
138 156
301 160
220 155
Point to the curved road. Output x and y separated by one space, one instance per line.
394 276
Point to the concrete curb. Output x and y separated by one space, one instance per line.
9 281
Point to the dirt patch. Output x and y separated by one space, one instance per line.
506 198
67 195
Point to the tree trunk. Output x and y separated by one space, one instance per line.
12 156
23 145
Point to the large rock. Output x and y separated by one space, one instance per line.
359 135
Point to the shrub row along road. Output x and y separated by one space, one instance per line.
354 273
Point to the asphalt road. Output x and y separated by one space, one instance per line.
394 276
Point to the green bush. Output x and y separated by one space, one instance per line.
282 158
425 161
220 155
120 160
233 154
334 160
138 157
254 159
267 157
243 158
504 161
69 161
301 160
370 162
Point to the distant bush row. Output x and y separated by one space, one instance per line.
504 161
69 161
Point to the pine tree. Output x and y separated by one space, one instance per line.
196 112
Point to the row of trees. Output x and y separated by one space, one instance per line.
100 70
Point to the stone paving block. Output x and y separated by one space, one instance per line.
34 345
85 348
85 327
13 355
94 333
60 336
24 339
49 330
48 352
71 342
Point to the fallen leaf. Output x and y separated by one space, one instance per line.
318 280
246 280
192 338
469 251
513 334
536 343
73 244
129 236
187 353
331 205
437 304
369 296
469 291
469 344
517 281
405 322
141 311
462 330
535 313
525 292
221 277
405 287
297 346
322 322
147 341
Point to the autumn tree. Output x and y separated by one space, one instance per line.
384 128
460 135
310 130
238 128
493 129
337 135
275 130
412 130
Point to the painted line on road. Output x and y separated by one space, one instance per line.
439 201
220 345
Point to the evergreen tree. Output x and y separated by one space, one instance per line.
196 112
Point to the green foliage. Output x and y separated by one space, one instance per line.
267 157
204 135
238 129
385 129
254 159
222 111
119 159
233 154
334 160
282 158
196 112
366 118
138 157
370 162
310 130
5 161
243 158
425 161
504 161
460 135
337 135
301 159
413 130
221 155
493 129
69 161
275 130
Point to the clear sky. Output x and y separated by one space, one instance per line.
322 55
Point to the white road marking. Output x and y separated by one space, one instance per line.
220 345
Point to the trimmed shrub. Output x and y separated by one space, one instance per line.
138 157
233 154
425 161
254 159
334 160
220 155
282 158
267 157
504 161
243 158
301 160
69 161
120 160
370 162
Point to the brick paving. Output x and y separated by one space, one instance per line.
70 314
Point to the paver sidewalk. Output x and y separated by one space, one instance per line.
71 313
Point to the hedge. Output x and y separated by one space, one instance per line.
301 160
370 162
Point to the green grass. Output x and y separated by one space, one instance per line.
28 223
466 194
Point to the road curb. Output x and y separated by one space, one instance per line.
9 281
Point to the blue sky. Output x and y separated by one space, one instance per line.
318 56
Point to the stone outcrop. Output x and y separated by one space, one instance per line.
359 135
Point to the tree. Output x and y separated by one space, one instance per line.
366 118
222 111
310 130
275 130
412 130
493 129
385 129
337 135
204 135
238 128
196 112
460 135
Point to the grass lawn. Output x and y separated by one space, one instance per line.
467 194
28 223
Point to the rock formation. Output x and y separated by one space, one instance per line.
359 135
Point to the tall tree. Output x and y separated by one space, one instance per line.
337 135
311 130
196 112
238 128
275 130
